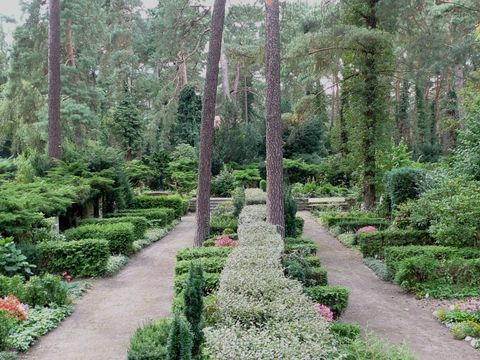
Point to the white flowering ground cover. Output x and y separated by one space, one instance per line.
263 314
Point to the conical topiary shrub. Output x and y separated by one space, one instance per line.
179 345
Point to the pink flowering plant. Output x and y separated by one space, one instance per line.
224 240
14 307
324 312
367 229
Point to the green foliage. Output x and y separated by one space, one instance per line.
373 244
87 257
7 322
203 252
140 223
44 290
299 223
335 297
180 342
289 211
218 224
238 200
40 321
156 216
189 116
115 263
223 184
313 189
467 328
375 348
120 236
12 261
175 202
353 223
193 305
293 245
213 264
8 355
403 184
210 284
248 177
378 267
127 124
263 185
296 171
150 341
345 332
182 170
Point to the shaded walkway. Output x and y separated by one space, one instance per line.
383 307
106 317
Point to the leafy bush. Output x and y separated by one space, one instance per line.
299 224
210 264
45 290
300 245
295 171
86 257
299 267
347 239
467 328
203 252
352 224
150 341
175 202
40 321
263 185
193 305
403 184
115 263
375 348
218 224
312 190
335 297
396 254
180 342
345 332
248 177
12 261
421 272
238 200
8 355
378 267
255 197
157 216
211 282
223 184
373 244
120 236
289 211
140 223
7 322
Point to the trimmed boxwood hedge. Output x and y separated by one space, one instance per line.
335 297
373 244
175 202
120 236
203 252
86 257
158 216
212 264
140 223
394 255
211 282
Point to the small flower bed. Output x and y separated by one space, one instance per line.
463 320
324 312
225 241
367 229
14 307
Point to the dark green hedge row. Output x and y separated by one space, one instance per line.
394 255
299 224
335 297
300 245
175 202
211 282
373 244
203 252
86 257
418 271
157 216
212 264
140 223
120 236
218 224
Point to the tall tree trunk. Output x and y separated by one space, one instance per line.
208 117
224 69
182 77
459 86
54 150
275 214
236 83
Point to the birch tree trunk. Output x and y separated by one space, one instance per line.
275 214
54 150
208 116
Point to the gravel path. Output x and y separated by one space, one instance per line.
106 317
382 307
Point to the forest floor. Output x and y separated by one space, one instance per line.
381 307
107 316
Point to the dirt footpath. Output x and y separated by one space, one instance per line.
383 307
106 317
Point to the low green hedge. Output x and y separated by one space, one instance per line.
120 236
211 282
319 276
140 223
219 223
394 255
373 244
150 341
157 216
420 271
203 252
175 202
313 261
299 224
212 264
86 257
307 248
335 297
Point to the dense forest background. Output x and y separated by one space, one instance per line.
364 85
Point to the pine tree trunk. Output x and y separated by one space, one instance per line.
54 150
69 45
236 83
275 214
224 69
208 116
